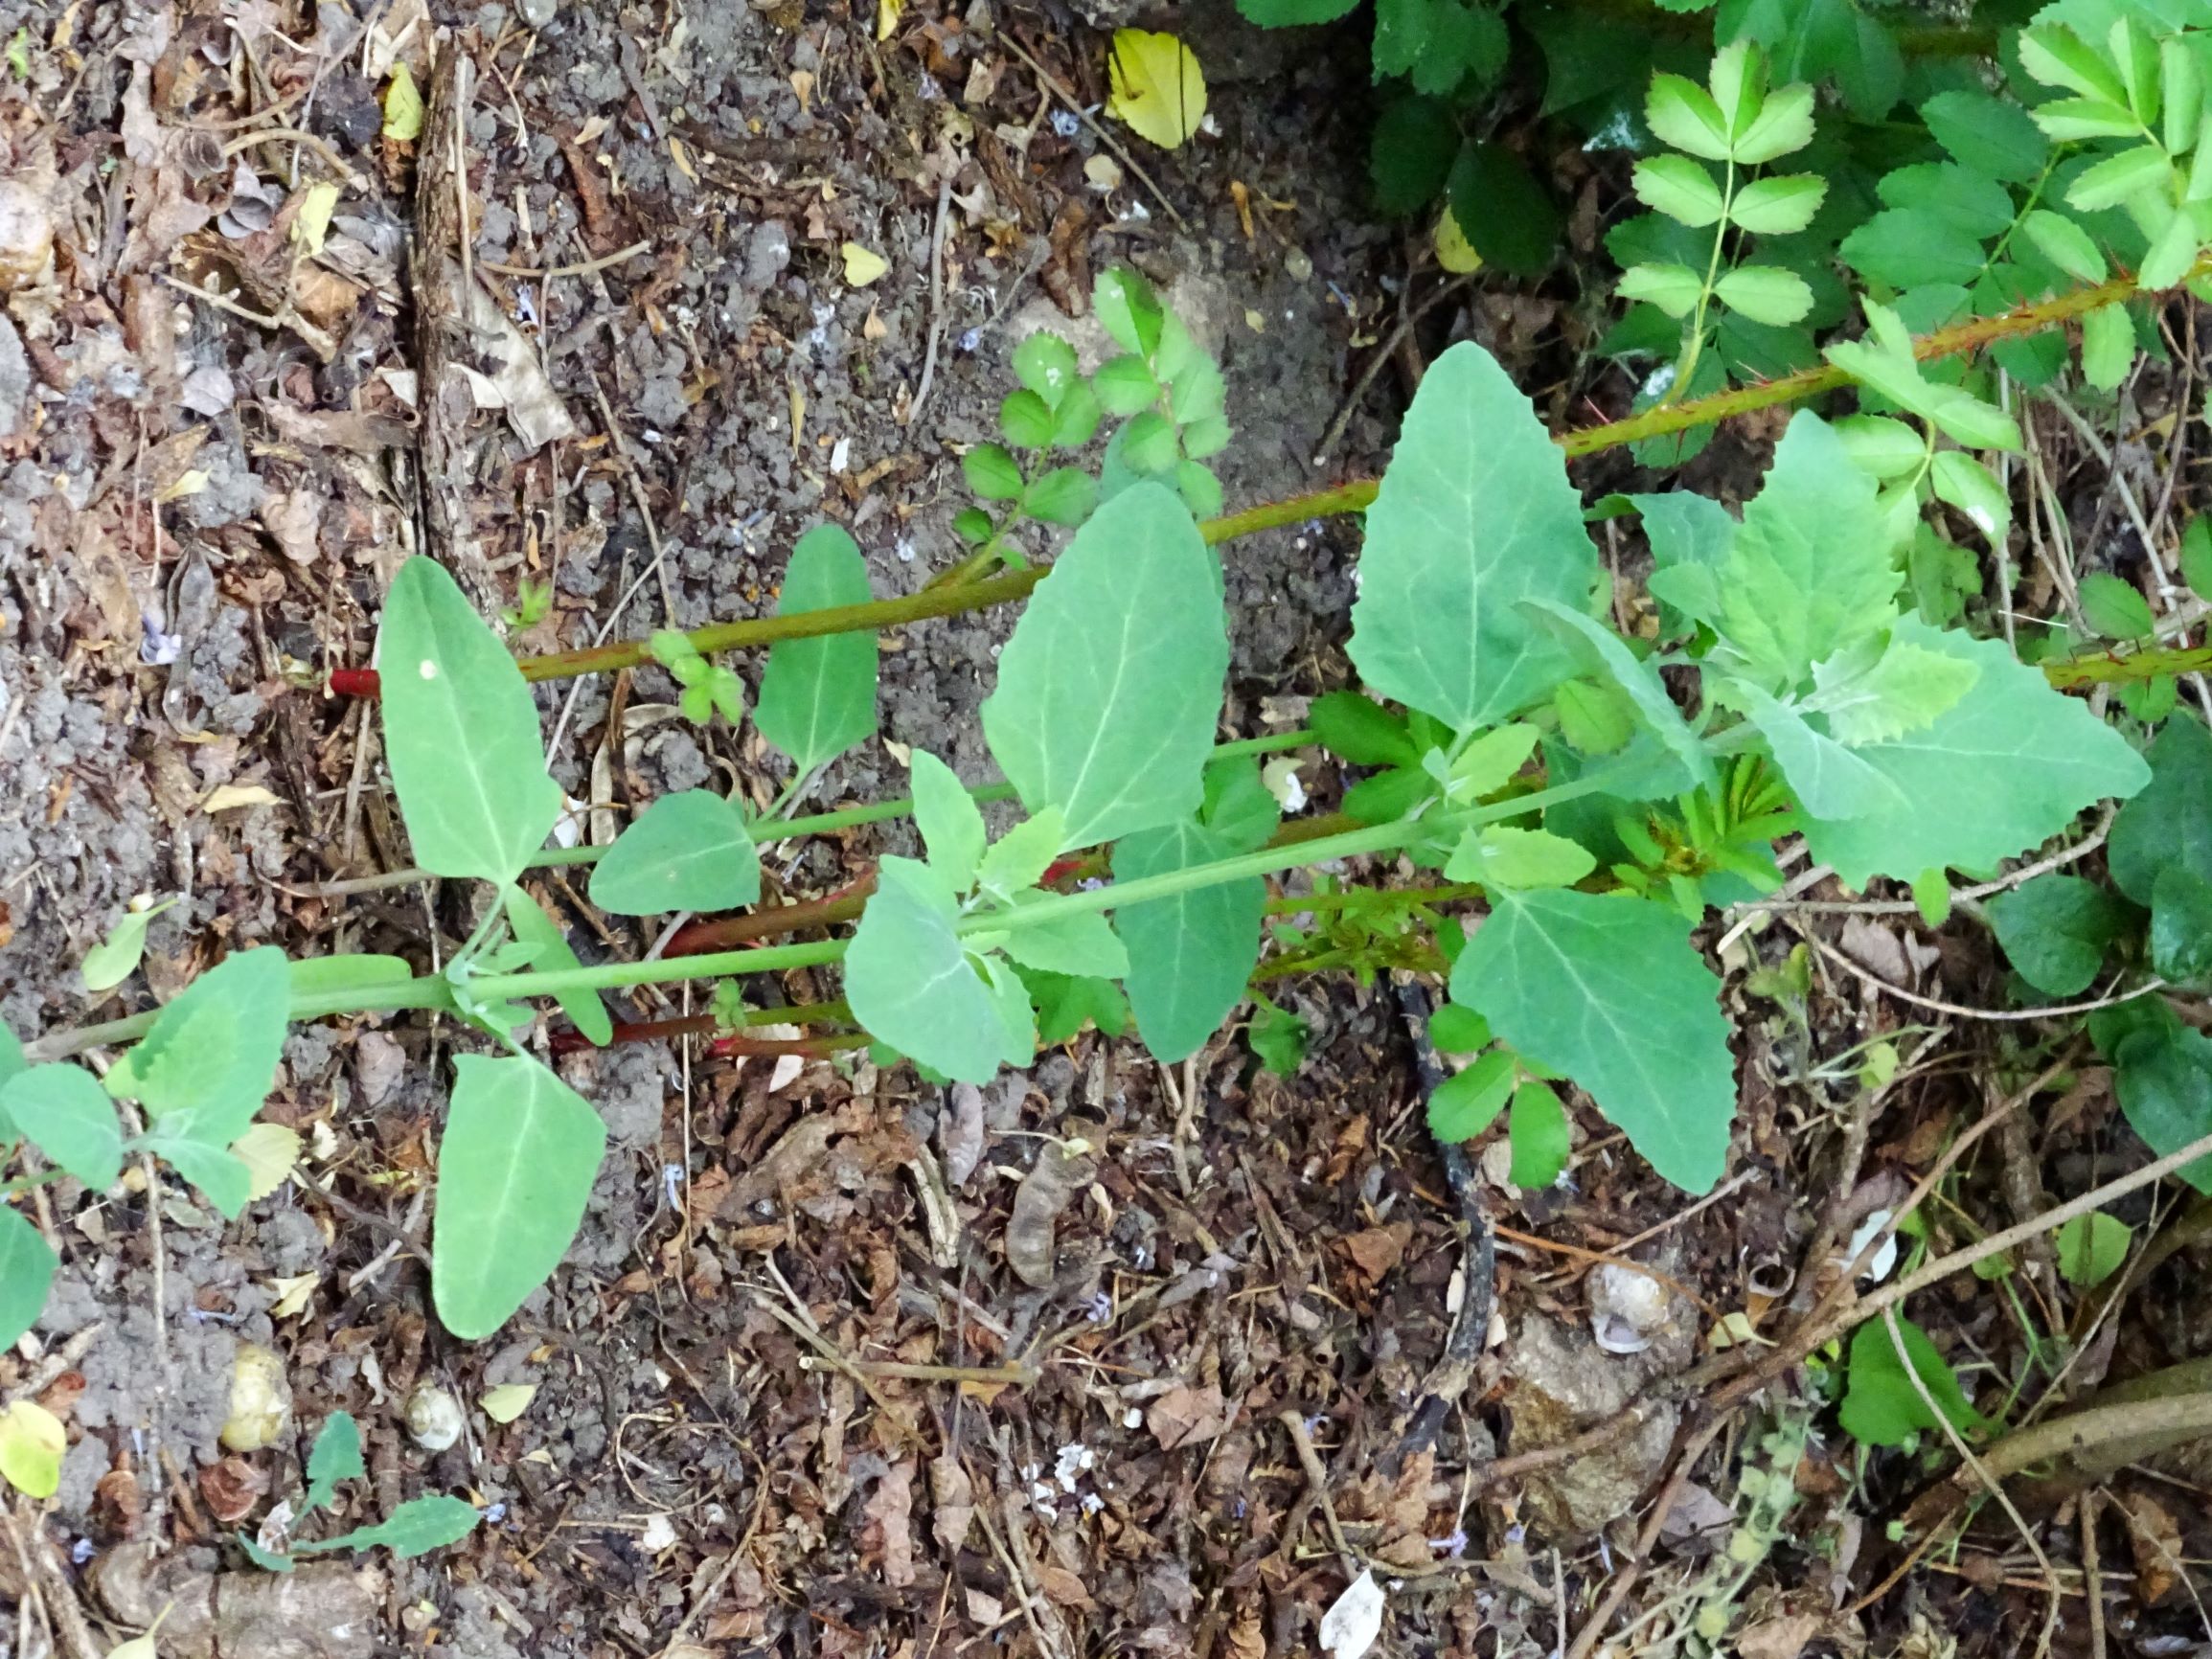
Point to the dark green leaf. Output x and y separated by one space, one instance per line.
1468 1101
1880 1405
1410 155
2115 609
2170 821
2180 932
1906 247
1987 134
2056 930
1284 13
1506 215
1362 731
2162 1072
1026 419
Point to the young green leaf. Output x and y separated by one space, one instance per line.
1189 955
1674 289
2091 1248
1128 309
1084 946
1609 992
1766 294
1778 206
415 1528
115 958
1362 731
690 850
552 953
1683 116
1022 855
991 472
913 985
1278 1037
2170 821
2115 609
2065 244
27 1265
1870 695
1474 514
1468 1101
342 976
203 1070
1784 125
461 733
818 696
1045 364
2026 757
1810 572
2119 179
2172 252
1066 495
1636 679
1501 857
950 824
1026 419
1541 1138
70 1118
1596 719
1110 688
1879 446
336 1456
1880 1405
1125 385
1453 1030
514 1171
2057 56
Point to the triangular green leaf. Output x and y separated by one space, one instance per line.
1475 515
203 1070
690 850
1110 688
1190 955
461 732
912 982
554 955
70 1118
1611 992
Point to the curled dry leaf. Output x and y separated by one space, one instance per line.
887 1528
952 1497
960 1132
1184 1416
1063 1170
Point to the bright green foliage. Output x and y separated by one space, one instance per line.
460 733
1987 134
1111 686
1538 1129
204 1069
336 1456
914 984
951 825
70 1118
1278 1037
690 850
2056 930
1501 857
2114 609
708 688
1458 1031
551 953
416 1528
514 1169
1881 1406
2091 1248
2001 770
1475 515
115 958
1469 1102
27 1265
2169 823
1609 992
818 696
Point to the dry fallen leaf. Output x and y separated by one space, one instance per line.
402 107
268 1152
1353 1620
293 1292
1061 1172
230 797
863 266
1159 89
508 1400
1184 1416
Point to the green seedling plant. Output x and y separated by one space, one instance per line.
415 1528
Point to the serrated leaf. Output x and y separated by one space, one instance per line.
1638 680
1879 446
1809 572
415 1528
27 1265
1458 1031
461 733
1110 688
1783 125
1830 782
1987 134
2172 252
1474 514
1902 688
1674 289
1469 1102
2000 771
1609 992
1778 206
2065 244
1766 294
1683 116
268 1152
1191 955
1158 88
818 696
1909 248
515 1168
1023 853
690 850
913 985
2115 609
2117 178
1501 857
2070 120
336 1456
209 1059
69 1118
1044 363
1680 187
2057 56
1066 495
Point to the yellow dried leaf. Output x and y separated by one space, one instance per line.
402 107
187 482
863 266
887 14
293 1291
137 1648
31 1441
1453 251
268 1152
1159 89
508 1400
229 797
312 222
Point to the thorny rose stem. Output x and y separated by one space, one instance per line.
1357 495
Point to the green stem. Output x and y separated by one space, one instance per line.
1695 348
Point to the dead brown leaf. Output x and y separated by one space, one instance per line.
952 1499
887 1524
1376 1250
1185 1416
1782 1638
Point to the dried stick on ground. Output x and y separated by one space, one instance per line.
441 282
